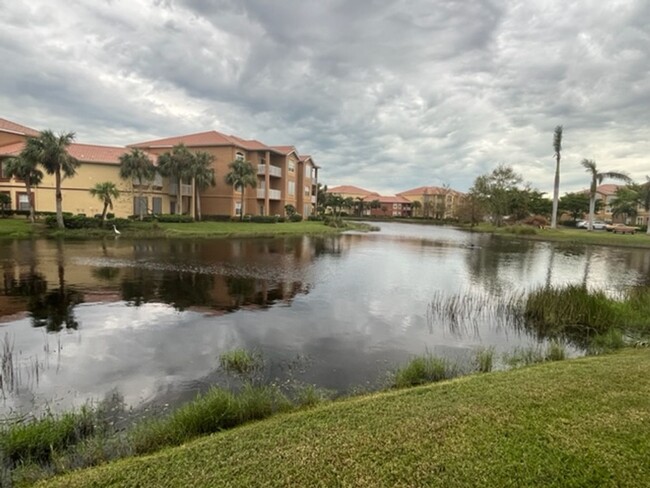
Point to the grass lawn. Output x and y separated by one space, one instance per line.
583 422
16 228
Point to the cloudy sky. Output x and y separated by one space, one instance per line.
387 95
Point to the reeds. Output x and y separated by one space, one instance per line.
424 369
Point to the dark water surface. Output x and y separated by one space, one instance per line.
148 319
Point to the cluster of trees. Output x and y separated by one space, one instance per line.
50 152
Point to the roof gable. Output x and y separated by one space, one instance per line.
14 128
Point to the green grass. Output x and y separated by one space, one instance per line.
240 361
573 423
484 359
16 228
423 369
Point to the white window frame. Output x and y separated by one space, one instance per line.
292 188
291 166
237 208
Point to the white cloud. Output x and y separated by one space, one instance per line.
385 95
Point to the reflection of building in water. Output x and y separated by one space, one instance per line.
46 280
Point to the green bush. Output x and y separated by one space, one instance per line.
264 219
174 218
315 218
295 218
216 218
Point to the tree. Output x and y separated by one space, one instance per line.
557 147
203 174
321 198
51 152
626 201
359 205
290 210
416 205
644 199
576 204
177 165
136 165
241 175
25 167
107 192
597 178
495 189
5 201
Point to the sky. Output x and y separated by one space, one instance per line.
385 95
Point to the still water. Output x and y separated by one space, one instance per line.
80 320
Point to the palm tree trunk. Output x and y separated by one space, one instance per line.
140 196
556 194
180 197
592 211
241 205
198 204
28 188
59 200
104 213
648 225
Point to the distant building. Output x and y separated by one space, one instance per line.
388 206
434 202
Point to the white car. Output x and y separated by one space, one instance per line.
597 225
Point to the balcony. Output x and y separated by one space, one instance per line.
313 199
273 170
186 190
273 194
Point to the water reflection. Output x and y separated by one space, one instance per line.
148 319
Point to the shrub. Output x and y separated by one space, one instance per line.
174 218
216 218
264 219
317 218
295 218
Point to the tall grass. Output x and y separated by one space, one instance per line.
484 359
241 362
423 369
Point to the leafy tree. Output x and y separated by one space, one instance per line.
576 204
241 175
495 190
337 203
176 165
25 167
644 199
416 205
290 210
527 201
626 201
107 192
359 205
51 151
203 174
597 178
557 147
136 165
374 204
5 201
321 198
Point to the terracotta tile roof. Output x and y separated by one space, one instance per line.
209 138
12 149
87 153
251 144
8 126
286 150
350 189
386 199
429 190
607 189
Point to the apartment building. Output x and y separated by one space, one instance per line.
389 206
284 177
606 194
434 202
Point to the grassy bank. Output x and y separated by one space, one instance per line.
573 423
19 228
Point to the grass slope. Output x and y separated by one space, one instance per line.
583 422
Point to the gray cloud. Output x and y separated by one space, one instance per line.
385 95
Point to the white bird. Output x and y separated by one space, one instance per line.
117 232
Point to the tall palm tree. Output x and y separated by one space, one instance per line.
51 151
597 178
176 165
416 205
107 192
25 167
203 174
136 165
644 197
240 176
557 147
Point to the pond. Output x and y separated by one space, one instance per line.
148 319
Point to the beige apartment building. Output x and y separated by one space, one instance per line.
283 177
435 202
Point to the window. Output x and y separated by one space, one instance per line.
292 166
307 171
239 156
157 181
140 204
23 201
156 205
306 191
292 188
3 176
237 208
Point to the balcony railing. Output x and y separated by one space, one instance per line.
273 170
273 194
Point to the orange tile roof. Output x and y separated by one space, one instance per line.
286 150
387 199
8 126
209 138
429 190
350 189
607 189
87 153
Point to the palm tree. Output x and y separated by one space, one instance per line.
177 165
106 192
416 205
51 152
597 178
240 176
203 175
136 165
626 202
25 167
557 147
644 197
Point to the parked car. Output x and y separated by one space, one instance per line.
597 225
623 229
